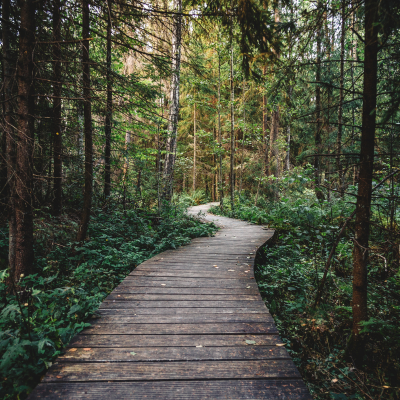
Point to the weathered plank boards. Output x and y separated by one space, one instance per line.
187 324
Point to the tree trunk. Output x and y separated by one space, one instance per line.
24 177
243 138
194 147
318 107
341 97
108 122
57 138
273 141
87 113
10 136
363 206
232 158
265 129
170 155
220 183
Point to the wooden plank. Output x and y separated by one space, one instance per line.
155 354
180 304
181 318
182 311
184 274
187 283
175 390
151 340
168 297
193 290
121 328
128 371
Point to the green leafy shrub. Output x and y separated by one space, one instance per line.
69 283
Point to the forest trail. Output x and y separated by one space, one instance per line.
186 324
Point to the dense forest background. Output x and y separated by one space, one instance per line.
118 115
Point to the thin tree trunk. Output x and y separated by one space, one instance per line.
108 122
363 206
288 136
87 112
194 147
220 183
170 156
341 97
232 158
10 136
265 129
275 120
318 107
243 138
273 141
24 178
126 164
57 137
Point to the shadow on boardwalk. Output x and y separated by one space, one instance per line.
186 324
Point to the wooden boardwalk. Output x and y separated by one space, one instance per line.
187 324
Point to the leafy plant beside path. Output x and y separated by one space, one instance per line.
56 302
288 276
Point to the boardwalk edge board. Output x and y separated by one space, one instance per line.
186 324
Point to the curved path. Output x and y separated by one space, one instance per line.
186 324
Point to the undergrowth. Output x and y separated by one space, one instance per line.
288 273
69 283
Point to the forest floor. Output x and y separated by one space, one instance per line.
71 280
288 274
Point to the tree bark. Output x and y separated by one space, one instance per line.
318 108
220 183
273 141
265 129
24 255
170 156
363 206
194 147
57 141
232 155
87 114
9 136
341 98
109 107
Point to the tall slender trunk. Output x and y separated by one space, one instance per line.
243 138
341 97
128 136
168 174
232 156
363 206
275 121
220 184
265 128
10 135
194 146
24 176
318 107
87 113
108 122
274 141
57 137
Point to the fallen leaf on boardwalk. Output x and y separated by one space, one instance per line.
250 341
280 344
199 345
73 349
132 353
231 270
334 380
87 349
214 265
163 284
246 271
247 287
59 376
